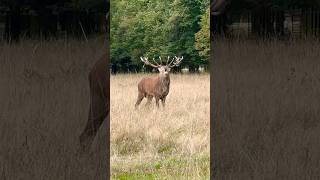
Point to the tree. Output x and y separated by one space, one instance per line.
154 28
202 43
45 21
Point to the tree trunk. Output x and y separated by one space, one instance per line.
13 24
280 23
262 23
193 68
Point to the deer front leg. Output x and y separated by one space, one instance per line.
157 102
139 99
97 113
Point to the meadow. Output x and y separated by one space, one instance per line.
265 109
44 100
44 92
165 143
264 115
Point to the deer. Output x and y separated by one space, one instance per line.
158 86
99 87
99 108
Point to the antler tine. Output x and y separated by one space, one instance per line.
172 61
147 62
155 62
160 60
176 61
168 60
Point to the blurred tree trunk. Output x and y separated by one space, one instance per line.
267 22
193 68
48 23
13 23
219 24
279 18
262 22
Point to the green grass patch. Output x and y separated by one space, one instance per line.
133 176
169 168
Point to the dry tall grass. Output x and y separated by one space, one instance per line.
44 100
265 110
165 143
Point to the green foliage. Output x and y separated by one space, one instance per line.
155 28
203 36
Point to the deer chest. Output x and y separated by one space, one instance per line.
165 85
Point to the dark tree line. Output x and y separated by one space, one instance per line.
49 18
268 16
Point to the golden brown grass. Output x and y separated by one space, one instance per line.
44 100
266 110
165 143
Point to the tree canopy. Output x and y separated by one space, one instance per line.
158 28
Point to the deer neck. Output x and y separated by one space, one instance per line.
164 82
163 78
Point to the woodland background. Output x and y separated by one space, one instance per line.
159 28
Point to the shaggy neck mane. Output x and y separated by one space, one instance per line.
163 78
164 83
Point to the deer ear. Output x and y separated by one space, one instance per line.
159 69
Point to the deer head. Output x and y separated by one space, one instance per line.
163 69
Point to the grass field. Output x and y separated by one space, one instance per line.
44 100
265 110
166 143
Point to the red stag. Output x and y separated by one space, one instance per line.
158 86
99 81
99 101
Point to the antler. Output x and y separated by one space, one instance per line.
160 60
176 61
168 59
147 62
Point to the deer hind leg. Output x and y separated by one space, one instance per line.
90 131
139 99
163 101
97 113
149 100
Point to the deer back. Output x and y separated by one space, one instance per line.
154 86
